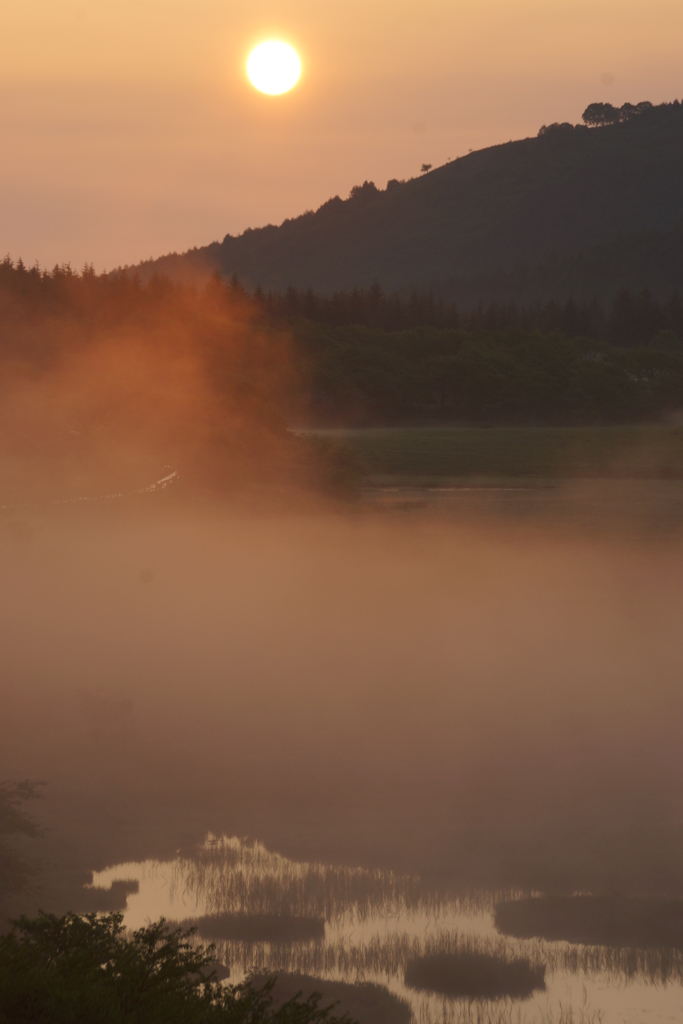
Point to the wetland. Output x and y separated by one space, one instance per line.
435 950
339 739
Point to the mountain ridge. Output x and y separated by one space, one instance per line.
519 204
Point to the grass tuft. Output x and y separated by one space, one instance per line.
470 974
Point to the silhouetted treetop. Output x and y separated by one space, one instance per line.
597 114
367 190
556 126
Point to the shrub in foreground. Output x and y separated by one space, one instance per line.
88 970
474 975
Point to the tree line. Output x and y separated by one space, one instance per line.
364 376
363 356
631 318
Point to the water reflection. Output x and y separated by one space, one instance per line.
375 921
233 875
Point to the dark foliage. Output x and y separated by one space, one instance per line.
43 313
357 357
373 358
600 114
363 376
475 975
637 452
651 259
631 318
595 920
87 970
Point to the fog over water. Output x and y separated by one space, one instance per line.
479 700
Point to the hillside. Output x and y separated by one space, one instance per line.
539 216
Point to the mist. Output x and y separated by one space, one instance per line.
210 623
496 704
108 387
341 550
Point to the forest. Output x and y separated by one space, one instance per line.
352 358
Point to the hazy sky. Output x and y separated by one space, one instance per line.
128 127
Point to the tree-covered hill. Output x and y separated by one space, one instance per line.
597 202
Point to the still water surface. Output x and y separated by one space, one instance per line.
373 921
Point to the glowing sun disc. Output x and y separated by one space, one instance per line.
273 67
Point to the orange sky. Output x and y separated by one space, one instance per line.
128 128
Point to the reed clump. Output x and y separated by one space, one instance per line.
637 922
471 974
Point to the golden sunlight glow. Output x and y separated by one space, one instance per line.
273 67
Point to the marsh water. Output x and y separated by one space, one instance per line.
376 920
476 688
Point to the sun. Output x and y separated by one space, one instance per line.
273 67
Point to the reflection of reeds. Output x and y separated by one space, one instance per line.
380 956
657 966
231 876
237 877
234 876
387 956
460 1012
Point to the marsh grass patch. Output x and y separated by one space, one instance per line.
643 923
472 974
